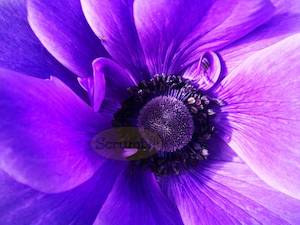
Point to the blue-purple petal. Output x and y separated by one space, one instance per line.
136 199
21 204
21 51
64 31
112 21
46 133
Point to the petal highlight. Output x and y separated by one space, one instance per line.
225 191
262 107
277 29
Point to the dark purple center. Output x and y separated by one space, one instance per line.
168 119
174 118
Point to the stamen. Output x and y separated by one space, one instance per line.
180 114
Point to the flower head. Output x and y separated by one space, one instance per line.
149 112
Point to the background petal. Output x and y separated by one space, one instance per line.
263 109
112 21
46 133
173 34
63 30
224 190
136 199
21 204
278 28
21 51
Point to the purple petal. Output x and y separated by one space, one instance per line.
21 51
110 82
63 30
46 133
112 21
226 191
262 97
22 205
275 30
173 34
136 199
291 6
206 72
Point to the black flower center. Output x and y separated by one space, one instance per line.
174 117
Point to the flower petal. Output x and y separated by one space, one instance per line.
278 28
21 204
173 34
110 82
263 109
46 133
206 72
226 191
136 199
21 51
112 21
291 6
63 30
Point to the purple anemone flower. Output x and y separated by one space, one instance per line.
199 102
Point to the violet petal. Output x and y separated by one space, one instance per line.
112 21
275 30
20 49
262 107
21 204
46 133
63 30
137 194
173 34
110 82
205 72
224 190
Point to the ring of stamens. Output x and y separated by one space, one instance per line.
170 90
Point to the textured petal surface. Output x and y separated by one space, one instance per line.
22 205
278 28
62 28
112 21
136 199
224 190
45 133
173 34
263 110
21 51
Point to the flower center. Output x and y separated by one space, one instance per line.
174 117
170 120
